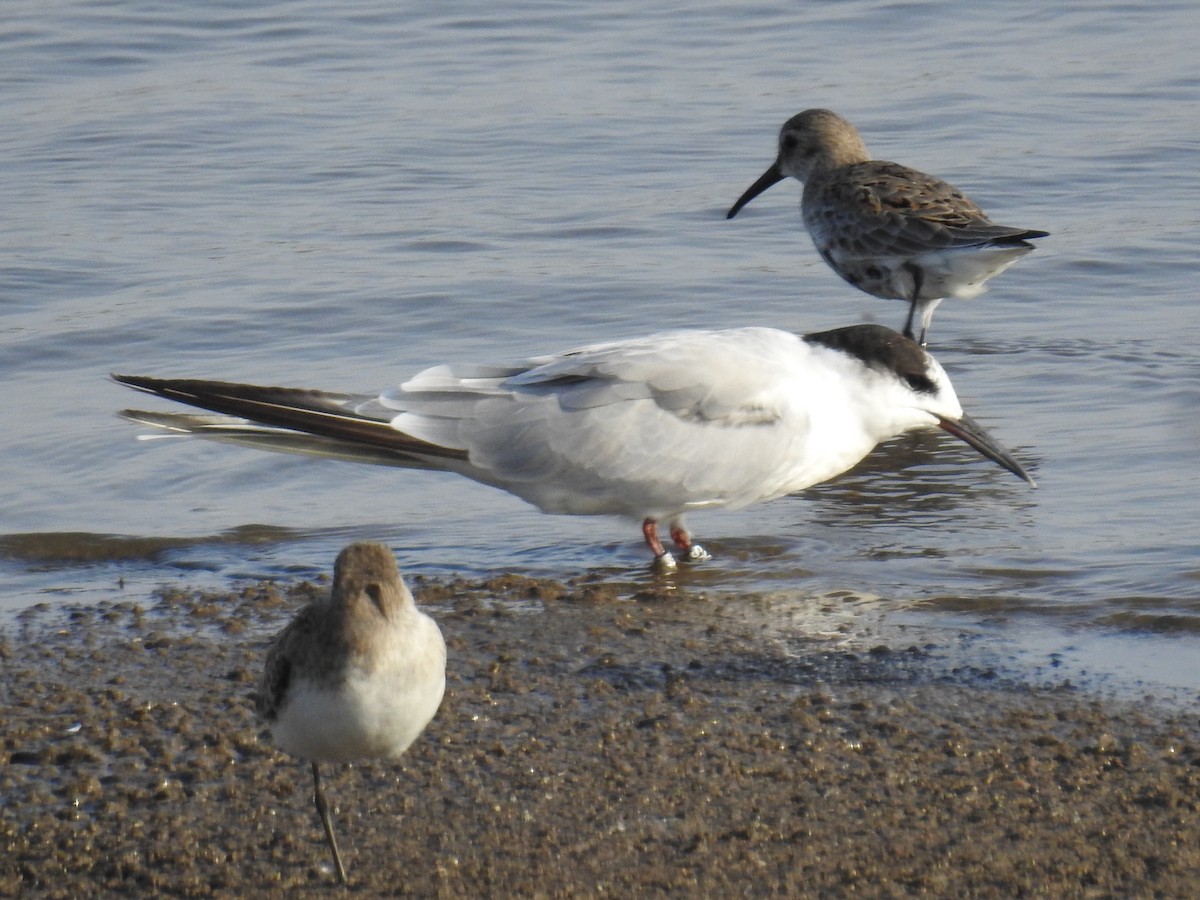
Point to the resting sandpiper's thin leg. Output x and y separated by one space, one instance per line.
323 811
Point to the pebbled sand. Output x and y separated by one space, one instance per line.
590 744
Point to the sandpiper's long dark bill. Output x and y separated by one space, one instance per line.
887 229
356 675
649 428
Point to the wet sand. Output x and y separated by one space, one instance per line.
590 744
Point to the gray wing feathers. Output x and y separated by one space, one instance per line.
559 431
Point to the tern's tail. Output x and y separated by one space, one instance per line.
288 420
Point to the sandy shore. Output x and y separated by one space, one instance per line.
589 744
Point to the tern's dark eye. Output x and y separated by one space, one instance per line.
789 142
920 382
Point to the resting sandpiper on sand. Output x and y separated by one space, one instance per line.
356 675
887 229
649 428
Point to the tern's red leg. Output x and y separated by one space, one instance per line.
682 539
650 533
691 552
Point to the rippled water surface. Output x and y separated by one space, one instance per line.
336 196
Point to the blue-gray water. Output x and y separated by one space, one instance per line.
338 195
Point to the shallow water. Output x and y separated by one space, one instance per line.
291 195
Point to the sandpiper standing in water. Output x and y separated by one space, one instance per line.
887 229
356 675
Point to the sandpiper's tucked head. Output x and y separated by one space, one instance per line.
370 569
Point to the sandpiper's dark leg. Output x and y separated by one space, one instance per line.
927 308
323 811
926 315
915 272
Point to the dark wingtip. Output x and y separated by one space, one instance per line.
138 382
1022 238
